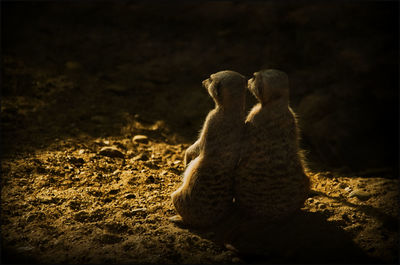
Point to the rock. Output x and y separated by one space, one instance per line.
81 151
348 189
141 157
141 212
130 196
111 151
140 139
25 249
176 219
361 195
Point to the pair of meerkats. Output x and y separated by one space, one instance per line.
249 163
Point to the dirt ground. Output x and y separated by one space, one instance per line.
100 101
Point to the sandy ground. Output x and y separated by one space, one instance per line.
100 102
72 203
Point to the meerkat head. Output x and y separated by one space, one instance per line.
227 88
269 85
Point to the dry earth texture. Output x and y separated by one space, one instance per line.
100 101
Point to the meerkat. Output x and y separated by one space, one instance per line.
206 193
270 179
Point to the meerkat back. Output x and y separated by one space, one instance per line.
270 180
206 193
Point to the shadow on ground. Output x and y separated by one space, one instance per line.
307 237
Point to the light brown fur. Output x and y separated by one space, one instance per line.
206 193
270 180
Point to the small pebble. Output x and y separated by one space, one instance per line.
141 157
139 210
361 195
130 196
140 139
82 151
25 248
348 189
111 151
175 219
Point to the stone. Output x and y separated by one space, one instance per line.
140 139
348 189
176 219
361 195
141 157
111 151
139 210
81 151
130 196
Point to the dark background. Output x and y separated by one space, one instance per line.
64 63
